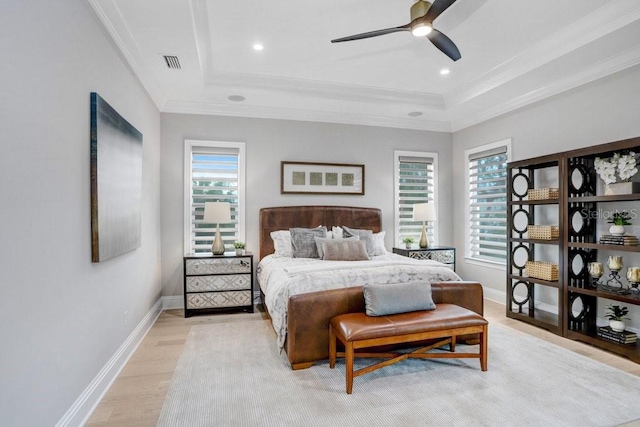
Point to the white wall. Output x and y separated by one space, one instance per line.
603 111
61 317
270 141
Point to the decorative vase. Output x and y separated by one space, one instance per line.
617 230
621 188
239 251
617 325
407 245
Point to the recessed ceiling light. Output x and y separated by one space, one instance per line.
415 114
445 71
236 98
258 46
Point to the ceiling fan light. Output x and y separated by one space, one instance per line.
421 30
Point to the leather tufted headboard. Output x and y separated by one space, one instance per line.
286 217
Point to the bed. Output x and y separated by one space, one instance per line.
301 295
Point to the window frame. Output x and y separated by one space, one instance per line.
474 152
397 154
189 146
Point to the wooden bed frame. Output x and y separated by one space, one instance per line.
309 314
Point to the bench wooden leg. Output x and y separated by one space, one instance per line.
484 347
348 350
332 348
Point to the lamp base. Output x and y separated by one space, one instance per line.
218 245
424 242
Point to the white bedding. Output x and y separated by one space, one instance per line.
281 277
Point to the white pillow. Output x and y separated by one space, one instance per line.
282 243
378 244
337 232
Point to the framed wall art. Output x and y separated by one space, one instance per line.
116 182
321 178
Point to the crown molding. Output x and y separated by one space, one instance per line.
282 113
606 19
112 19
614 64
202 37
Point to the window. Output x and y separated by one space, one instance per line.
487 206
214 171
415 182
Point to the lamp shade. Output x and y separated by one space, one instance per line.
424 212
217 212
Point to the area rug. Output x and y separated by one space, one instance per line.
231 374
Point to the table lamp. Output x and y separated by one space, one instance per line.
424 212
216 213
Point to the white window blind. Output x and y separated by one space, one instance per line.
215 174
488 204
415 183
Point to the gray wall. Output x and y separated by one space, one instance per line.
62 316
270 141
603 111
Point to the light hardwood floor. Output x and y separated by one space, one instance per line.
137 395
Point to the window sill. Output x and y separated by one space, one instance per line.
484 263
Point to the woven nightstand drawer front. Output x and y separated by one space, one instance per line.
445 257
218 266
218 299
218 283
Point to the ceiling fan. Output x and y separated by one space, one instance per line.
423 13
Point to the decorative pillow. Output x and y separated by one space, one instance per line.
366 235
303 244
337 232
320 241
345 250
378 244
282 243
392 298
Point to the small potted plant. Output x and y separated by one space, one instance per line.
616 315
408 241
619 220
239 247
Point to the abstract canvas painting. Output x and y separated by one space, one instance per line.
116 182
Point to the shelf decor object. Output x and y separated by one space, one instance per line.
625 165
217 213
633 276
544 193
596 270
542 270
424 212
543 232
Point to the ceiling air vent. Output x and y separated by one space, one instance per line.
172 62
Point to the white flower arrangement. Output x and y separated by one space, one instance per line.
625 164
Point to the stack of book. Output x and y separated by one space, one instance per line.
626 240
625 337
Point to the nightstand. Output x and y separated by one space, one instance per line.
218 283
443 254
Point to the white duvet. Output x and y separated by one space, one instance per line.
281 277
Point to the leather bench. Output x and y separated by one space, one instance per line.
445 323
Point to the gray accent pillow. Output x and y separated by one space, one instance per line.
303 244
345 250
320 241
366 235
392 298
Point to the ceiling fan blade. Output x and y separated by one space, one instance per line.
445 44
437 8
372 34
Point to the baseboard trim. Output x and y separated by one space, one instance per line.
87 402
172 302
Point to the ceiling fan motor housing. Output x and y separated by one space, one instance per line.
419 9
